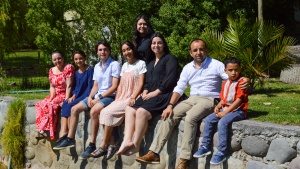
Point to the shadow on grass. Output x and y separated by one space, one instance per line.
254 114
271 92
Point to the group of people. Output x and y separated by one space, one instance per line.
144 87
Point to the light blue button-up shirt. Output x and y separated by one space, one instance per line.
205 81
104 76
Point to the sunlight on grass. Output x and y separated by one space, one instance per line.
277 102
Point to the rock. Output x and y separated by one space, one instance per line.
255 146
298 147
234 145
259 165
30 115
295 164
280 151
29 153
44 157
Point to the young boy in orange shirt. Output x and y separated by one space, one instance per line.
232 107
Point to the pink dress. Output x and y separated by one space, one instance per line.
46 110
113 114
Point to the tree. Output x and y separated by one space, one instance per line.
14 32
180 21
261 47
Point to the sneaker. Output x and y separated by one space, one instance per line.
202 152
87 153
183 164
67 143
218 158
149 158
61 139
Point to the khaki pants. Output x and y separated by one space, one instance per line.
194 108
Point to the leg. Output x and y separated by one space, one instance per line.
202 106
209 128
129 129
75 111
94 115
64 126
167 126
107 137
141 125
223 128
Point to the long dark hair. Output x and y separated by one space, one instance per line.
136 38
131 46
150 54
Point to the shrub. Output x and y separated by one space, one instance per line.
13 139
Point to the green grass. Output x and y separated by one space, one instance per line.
277 102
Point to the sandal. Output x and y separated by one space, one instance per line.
111 150
41 135
99 152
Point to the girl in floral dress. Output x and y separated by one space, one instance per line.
61 78
130 87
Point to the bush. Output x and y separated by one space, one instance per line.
13 139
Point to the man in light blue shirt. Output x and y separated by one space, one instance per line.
106 79
205 76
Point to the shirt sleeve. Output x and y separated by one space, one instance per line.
90 79
170 78
182 82
70 70
142 68
116 69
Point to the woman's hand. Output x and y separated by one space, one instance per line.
71 99
131 101
149 95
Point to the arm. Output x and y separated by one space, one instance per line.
113 88
233 106
52 92
69 85
218 107
92 93
138 89
169 110
245 83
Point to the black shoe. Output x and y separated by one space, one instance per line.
66 143
87 153
59 140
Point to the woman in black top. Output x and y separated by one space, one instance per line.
141 35
161 79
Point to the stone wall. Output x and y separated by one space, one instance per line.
254 145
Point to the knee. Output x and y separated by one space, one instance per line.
142 114
94 114
74 111
191 119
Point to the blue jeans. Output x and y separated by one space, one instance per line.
211 121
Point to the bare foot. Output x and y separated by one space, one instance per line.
125 146
134 149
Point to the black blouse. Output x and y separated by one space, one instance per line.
163 76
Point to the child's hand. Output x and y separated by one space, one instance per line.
217 109
221 114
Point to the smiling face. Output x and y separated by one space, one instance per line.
127 53
57 60
157 46
198 51
103 52
141 27
232 70
79 60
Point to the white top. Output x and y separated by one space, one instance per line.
139 67
104 76
205 81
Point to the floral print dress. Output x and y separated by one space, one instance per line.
46 110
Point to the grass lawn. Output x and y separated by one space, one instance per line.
276 102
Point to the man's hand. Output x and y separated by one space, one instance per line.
244 85
168 112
